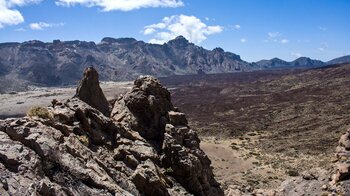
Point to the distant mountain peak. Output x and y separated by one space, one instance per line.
306 62
302 58
180 37
179 41
218 49
276 59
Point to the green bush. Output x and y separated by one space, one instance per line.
40 112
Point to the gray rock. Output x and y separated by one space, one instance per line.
177 118
80 151
90 92
145 108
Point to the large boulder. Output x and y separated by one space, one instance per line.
90 92
145 108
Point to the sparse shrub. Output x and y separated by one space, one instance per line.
234 147
84 140
293 172
251 134
169 170
40 112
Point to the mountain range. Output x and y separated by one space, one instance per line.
62 62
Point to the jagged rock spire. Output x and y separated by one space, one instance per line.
90 92
147 148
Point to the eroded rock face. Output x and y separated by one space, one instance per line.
145 108
80 151
90 92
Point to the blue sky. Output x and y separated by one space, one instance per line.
254 29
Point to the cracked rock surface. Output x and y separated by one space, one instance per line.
144 148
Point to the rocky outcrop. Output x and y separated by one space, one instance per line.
77 150
147 109
341 177
90 92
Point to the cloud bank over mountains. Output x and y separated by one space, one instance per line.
10 15
190 27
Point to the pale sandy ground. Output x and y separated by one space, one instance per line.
237 165
18 104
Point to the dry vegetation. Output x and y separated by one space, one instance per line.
38 111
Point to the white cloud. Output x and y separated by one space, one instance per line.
243 40
274 34
149 31
190 27
42 25
123 5
296 54
234 27
276 37
324 46
9 15
11 3
207 18
284 41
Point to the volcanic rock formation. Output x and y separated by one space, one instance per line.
90 92
144 149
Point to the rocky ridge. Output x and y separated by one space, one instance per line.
301 62
60 63
144 148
